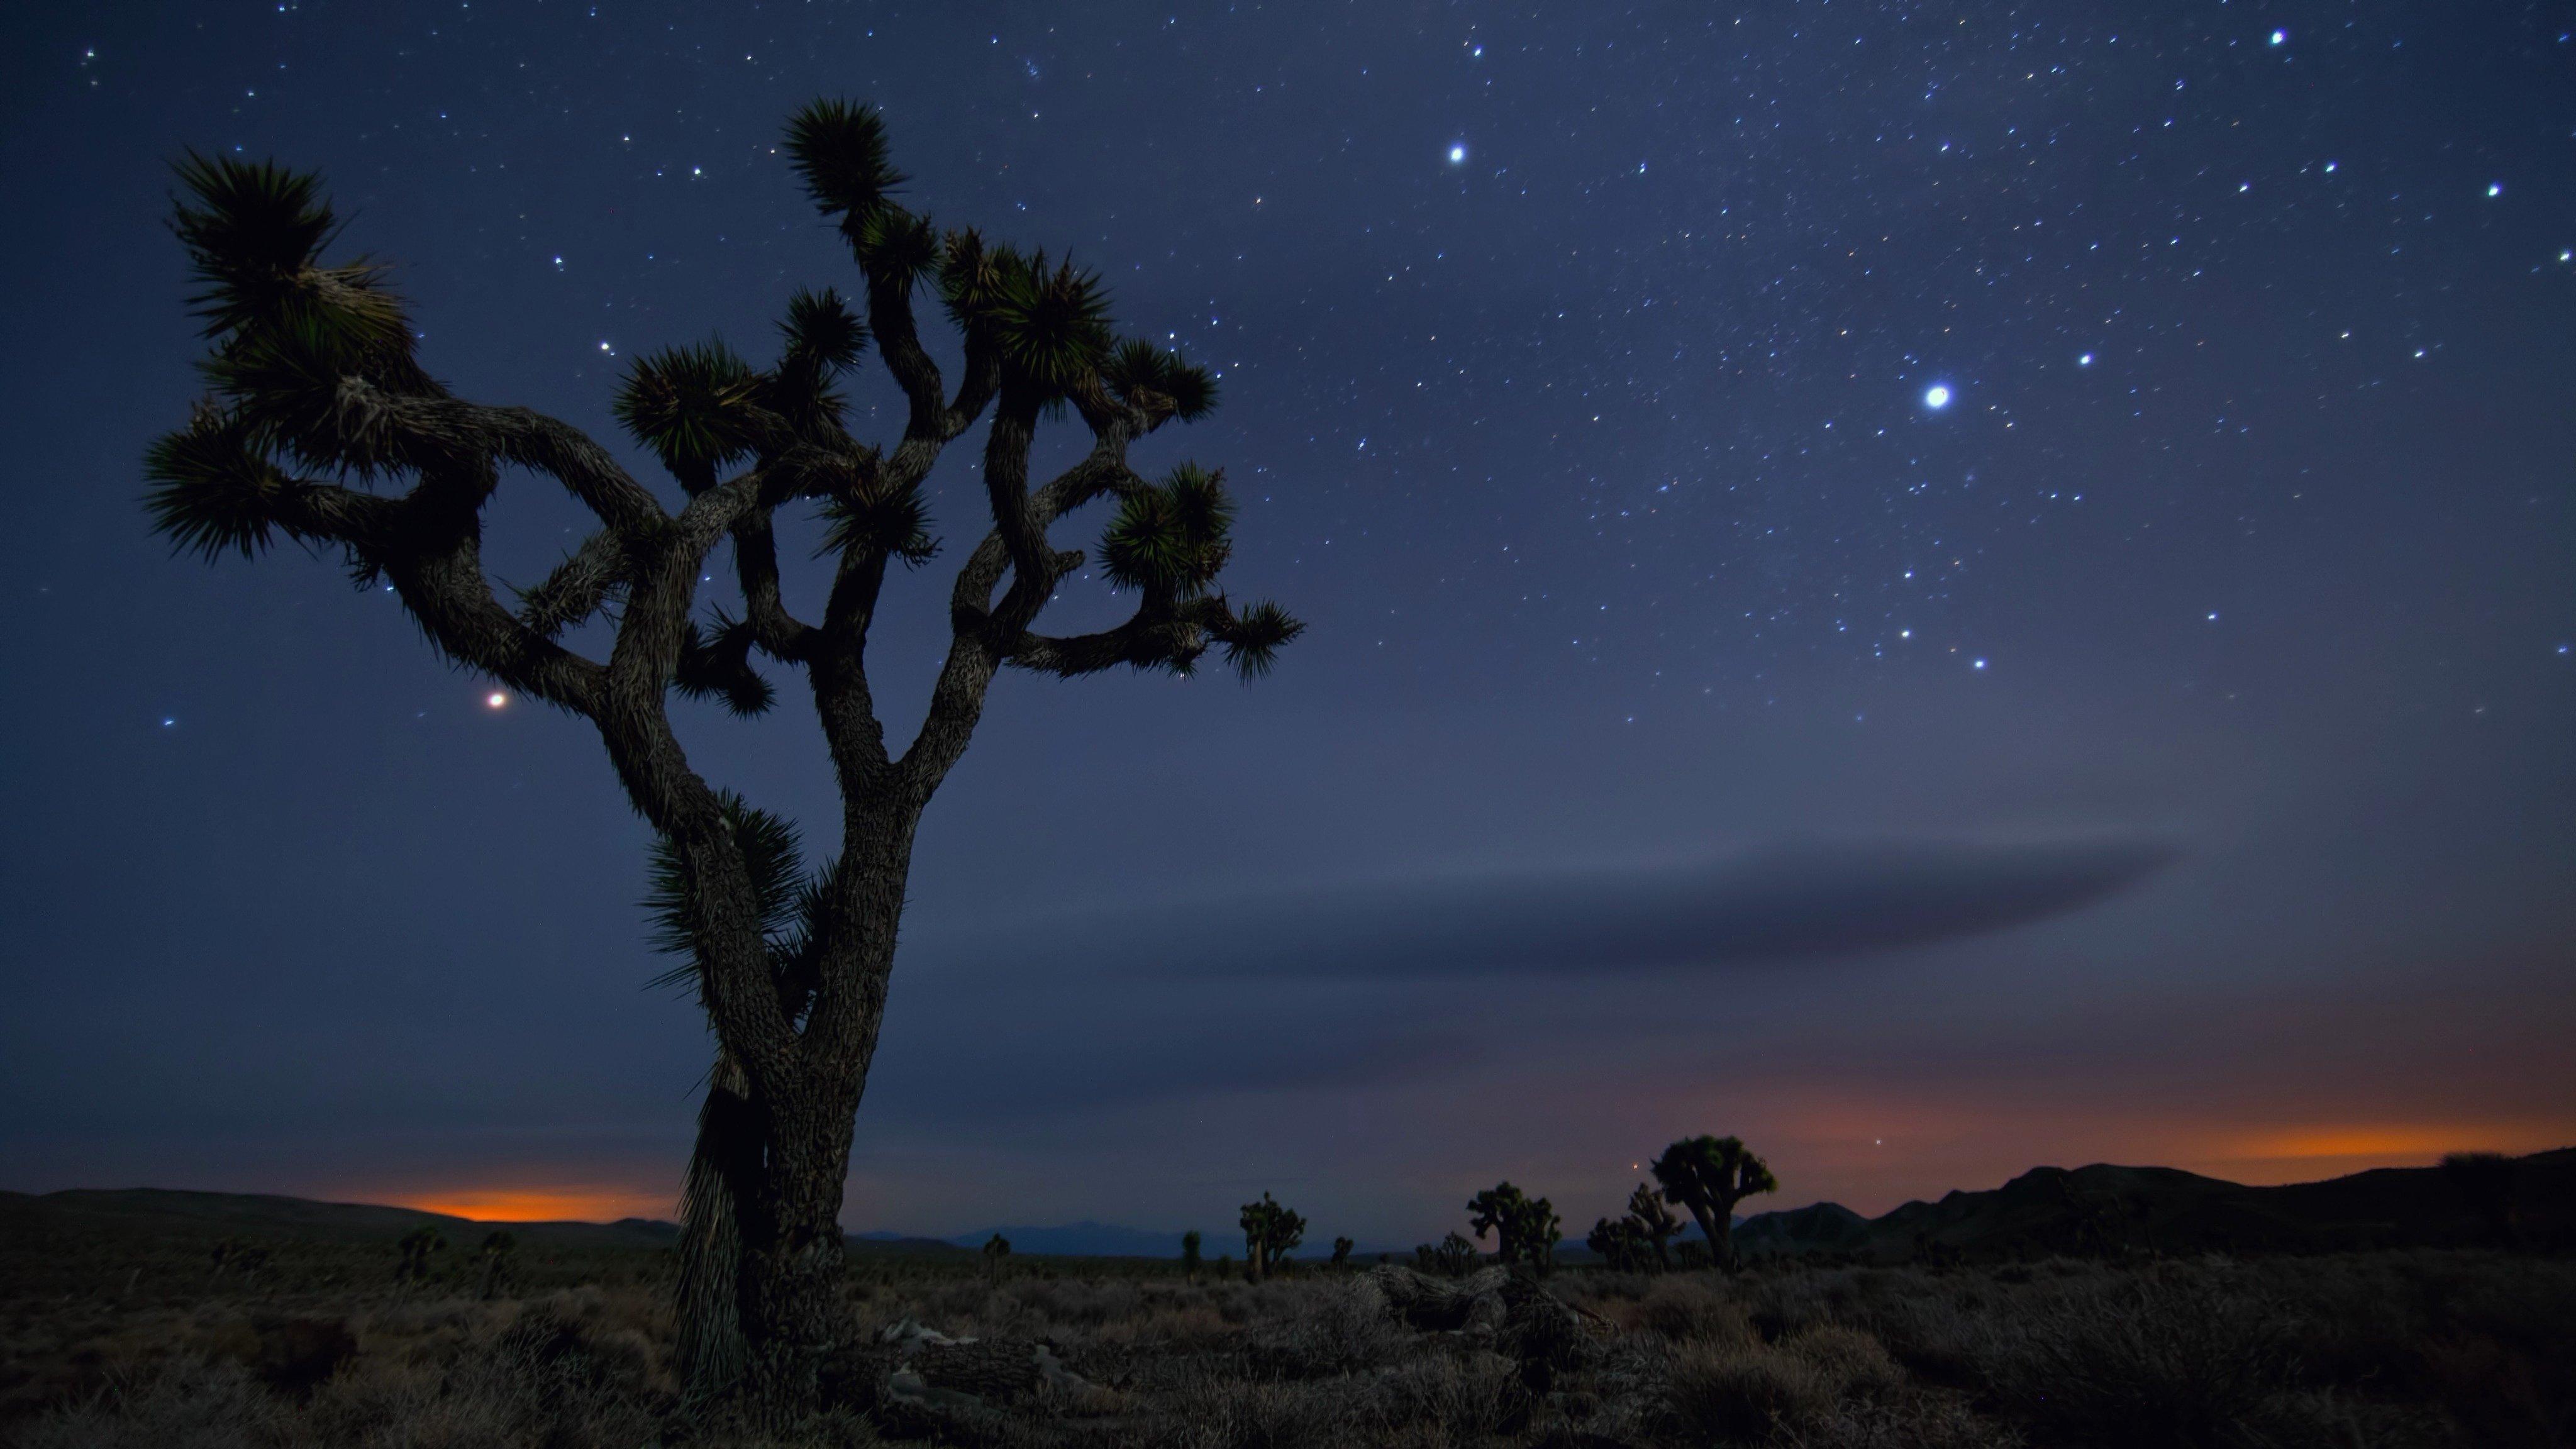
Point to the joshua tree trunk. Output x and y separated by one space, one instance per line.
321 426
1719 1228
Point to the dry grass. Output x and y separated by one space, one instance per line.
2381 1351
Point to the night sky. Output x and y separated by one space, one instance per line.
1941 586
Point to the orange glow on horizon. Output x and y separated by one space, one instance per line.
2389 1144
536 1204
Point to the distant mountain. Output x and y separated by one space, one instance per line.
1067 1240
2104 1207
172 1211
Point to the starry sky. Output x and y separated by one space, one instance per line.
1942 586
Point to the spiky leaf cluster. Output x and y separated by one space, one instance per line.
782 893
893 522
824 339
1170 540
1254 635
209 490
308 359
254 239
1141 373
839 149
1049 326
715 663
894 246
693 407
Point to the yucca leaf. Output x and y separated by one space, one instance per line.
210 490
716 664
897 526
839 148
1050 327
895 246
773 856
690 406
1254 636
1137 369
822 332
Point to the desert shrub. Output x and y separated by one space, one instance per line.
1337 1329
200 1404
1469 1396
1921 1422
1685 1309
1742 1392
2170 1361
1855 1363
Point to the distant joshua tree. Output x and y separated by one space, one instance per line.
1269 1233
1342 1252
1655 1222
996 1248
1456 1256
499 1262
1620 1245
1525 1229
2489 1182
321 427
1707 1177
238 1256
415 1248
1190 1255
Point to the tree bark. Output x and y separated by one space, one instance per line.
793 1250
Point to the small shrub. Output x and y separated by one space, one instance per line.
1742 1393
1684 1309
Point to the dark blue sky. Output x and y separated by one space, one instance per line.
2162 751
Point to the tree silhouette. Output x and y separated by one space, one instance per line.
1620 1245
2489 1182
1707 1177
1269 1232
1456 1256
1190 1255
1525 1229
1342 1252
415 1248
996 1248
320 427
1655 1222
500 1253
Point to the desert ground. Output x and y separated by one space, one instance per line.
133 1332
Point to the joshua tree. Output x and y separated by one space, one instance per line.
240 1256
1655 1222
321 427
499 1256
415 1248
1269 1232
996 1248
1342 1252
2488 1183
1190 1255
1620 1244
1525 1228
1708 1176
1455 1257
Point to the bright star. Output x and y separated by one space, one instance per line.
2085 361
1937 397
2495 188
2280 36
1977 664
496 699
1458 154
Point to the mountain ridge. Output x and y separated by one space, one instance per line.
2094 1208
